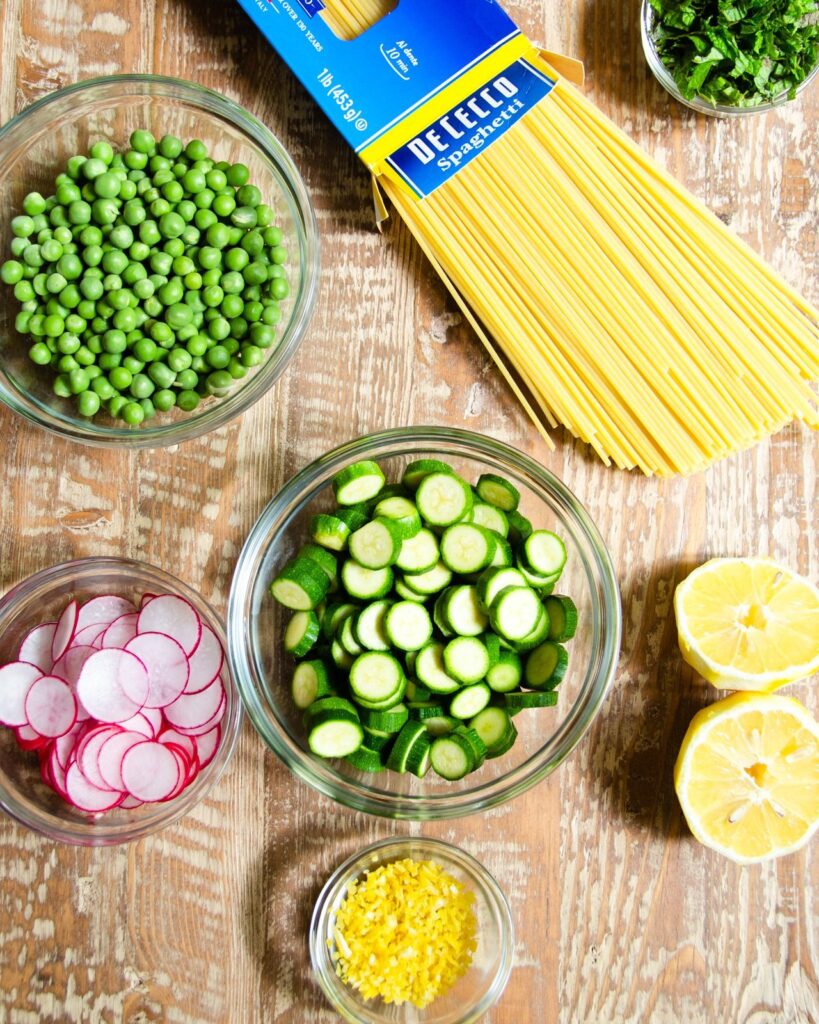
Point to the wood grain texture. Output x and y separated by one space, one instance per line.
621 916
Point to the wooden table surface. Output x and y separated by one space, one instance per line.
620 915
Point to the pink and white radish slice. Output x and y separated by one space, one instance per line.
195 709
16 679
36 646
113 685
166 664
150 771
89 751
65 630
120 631
85 796
103 610
110 756
174 617
50 706
207 745
205 662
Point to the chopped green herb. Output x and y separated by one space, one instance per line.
734 53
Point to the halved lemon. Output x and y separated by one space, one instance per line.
747 776
748 623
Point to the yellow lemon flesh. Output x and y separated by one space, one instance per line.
747 776
748 623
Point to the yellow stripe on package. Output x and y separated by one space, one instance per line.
419 94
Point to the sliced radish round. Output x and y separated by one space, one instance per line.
36 647
185 768
205 662
120 631
64 633
140 723
110 755
167 667
51 707
130 803
173 616
151 770
65 744
194 709
103 610
113 685
207 744
88 753
70 665
85 796
16 679
186 743
28 739
90 636
56 772
214 720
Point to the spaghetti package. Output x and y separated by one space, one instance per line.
611 299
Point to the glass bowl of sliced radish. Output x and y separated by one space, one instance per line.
117 708
423 623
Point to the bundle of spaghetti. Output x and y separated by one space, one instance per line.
629 312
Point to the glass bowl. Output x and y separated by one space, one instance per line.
473 994
262 670
23 794
702 106
34 147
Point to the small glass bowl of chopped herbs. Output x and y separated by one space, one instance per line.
158 261
458 909
423 671
728 60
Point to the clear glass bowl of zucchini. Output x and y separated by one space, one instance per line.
423 623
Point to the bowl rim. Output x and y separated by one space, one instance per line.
410 846
98 832
698 103
440 806
294 193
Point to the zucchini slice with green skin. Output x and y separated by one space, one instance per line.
365 760
493 647
441 726
301 585
519 527
503 553
468 702
443 499
402 512
535 579
545 553
506 674
407 593
475 742
491 517
330 532
562 613
353 516
499 492
416 471
376 545
536 637
359 482
420 553
452 757
462 610
347 639
496 730
341 658
376 677
431 671
301 633
369 626
311 682
365 584
519 701
467 547
334 615
429 582
388 722
515 612
416 692
324 559
376 740
409 749
467 660
333 727
439 614
388 702
408 626
546 666
495 579
421 711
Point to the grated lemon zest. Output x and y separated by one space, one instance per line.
378 924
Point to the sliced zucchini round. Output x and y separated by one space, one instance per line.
467 547
467 660
443 498
546 666
419 553
301 633
359 482
497 491
408 625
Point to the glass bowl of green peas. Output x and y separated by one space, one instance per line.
158 261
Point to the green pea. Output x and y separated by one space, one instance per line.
139 251
24 291
18 246
170 294
203 219
219 381
22 226
107 185
255 273
232 307
40 354
134 272
217 357
104 211
223 205
61 386
87 309
90 234
88 403
187 379
194 181
121 236
34 204
161 263
152 306
78 381
132 413
54 326
135 160
196 150
11 272
116 405
187 400
143 142
272 314
193 281
213 295
237 175
279 288
141 386
173 191
67 344
120 378
32 257
219 328
102 387
253 311
164 400
114 340
262 335
179 359
103 151
69 296
178 315
264 215
162 334
170 147
237 369
125 319
253 243
174 247
143 289
149 232
218 236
